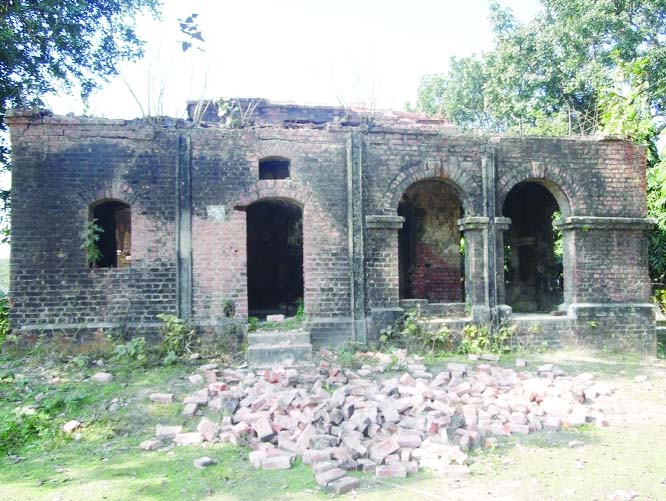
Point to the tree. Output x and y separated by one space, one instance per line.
578 67
50 45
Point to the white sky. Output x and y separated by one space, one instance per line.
309 52
369 52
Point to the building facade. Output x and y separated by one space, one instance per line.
352 216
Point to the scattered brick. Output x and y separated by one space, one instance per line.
161 398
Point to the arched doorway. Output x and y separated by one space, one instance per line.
430 248
533 249
274 257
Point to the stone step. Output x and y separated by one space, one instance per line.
454 310
453 324
278 337
267 355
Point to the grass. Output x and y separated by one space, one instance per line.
106 463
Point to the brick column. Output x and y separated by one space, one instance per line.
606 282
477 283
501 225
382 275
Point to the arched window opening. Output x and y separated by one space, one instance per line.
274 258
430 247
274 168
533 254
114 220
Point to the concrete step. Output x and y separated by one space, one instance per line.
411 304
278 337
433 325
455 310
267 355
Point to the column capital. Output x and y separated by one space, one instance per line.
502 223
383 222
586 223
473 223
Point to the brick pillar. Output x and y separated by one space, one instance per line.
477 291
501 225
606 282
382 276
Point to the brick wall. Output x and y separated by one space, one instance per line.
174 173
430 243
61 166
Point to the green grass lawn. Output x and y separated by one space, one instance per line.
38 461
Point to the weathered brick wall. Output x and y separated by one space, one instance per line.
431 264
611 266
596 177
397 159
61 166
225 180
343 176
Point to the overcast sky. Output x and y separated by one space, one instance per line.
306 51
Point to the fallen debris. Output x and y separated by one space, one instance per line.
204 462
71 426
161 398
339 420
103 377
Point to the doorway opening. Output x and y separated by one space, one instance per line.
533 253
430 245
274 258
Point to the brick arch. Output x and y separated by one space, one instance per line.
276 189
570 198
116 191
461 181
319 236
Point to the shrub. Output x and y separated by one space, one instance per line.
133 350
177 337
479 339
4 320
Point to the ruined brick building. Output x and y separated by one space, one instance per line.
357 215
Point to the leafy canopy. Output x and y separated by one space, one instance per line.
557 74
579 67
49 45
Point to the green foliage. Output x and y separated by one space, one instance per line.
22 426
478 339
4 320
558 241
659 298
91 235
132 351
229 308
410 333
578 67
236 113
252 324
177 337
80 361
55 44
29 423
347 355
300 309
561 73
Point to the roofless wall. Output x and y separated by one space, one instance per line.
186 189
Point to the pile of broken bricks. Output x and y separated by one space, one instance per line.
393 425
